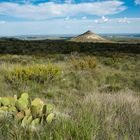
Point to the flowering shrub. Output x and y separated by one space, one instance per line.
84 63
37 73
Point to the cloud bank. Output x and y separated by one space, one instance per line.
62 26
137 2
55 10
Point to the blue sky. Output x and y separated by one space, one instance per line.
29 17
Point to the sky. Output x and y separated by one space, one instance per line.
43 17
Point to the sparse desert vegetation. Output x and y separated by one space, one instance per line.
69 69
96 95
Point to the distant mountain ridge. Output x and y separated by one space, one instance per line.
88 37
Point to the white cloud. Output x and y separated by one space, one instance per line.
2 22
84 17
67 18
102 20
51 10
137 2
25 1
124 20
68 1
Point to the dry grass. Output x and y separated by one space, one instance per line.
85 109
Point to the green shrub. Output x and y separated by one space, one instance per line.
83 63
112 61
37 73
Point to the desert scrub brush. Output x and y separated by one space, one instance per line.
83 63
37 73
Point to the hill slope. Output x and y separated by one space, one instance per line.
88 37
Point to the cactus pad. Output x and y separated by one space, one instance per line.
50 118
19 116
34 111
24 95
12 101
26 121
4 108
49 108
37 102
21 104
12 109
28 114
5 101
35 122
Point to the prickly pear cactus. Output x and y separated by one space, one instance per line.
26 112
5 101
37 102
19 116
25 96
34 111
21 104
49 118
26 121
50 108
12 109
